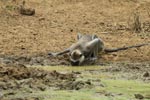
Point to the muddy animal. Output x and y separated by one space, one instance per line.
87 48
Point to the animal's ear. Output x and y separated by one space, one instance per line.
94 37
79 36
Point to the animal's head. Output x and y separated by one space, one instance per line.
76 57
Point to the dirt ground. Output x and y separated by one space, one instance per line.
55 25
26 40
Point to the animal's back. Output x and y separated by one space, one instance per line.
81 43
85 38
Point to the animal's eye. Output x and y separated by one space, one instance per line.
80 55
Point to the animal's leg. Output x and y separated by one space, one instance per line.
93 46
94 54
99 45
95 49
59 53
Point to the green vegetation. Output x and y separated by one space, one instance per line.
105 87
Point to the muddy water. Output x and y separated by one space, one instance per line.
115 81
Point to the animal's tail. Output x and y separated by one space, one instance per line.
124 48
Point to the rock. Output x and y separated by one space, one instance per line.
146 74
26 11
139 96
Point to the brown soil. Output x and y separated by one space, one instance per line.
55 25
26 40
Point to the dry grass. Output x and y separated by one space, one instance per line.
134 22
137 23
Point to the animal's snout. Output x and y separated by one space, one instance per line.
76 63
